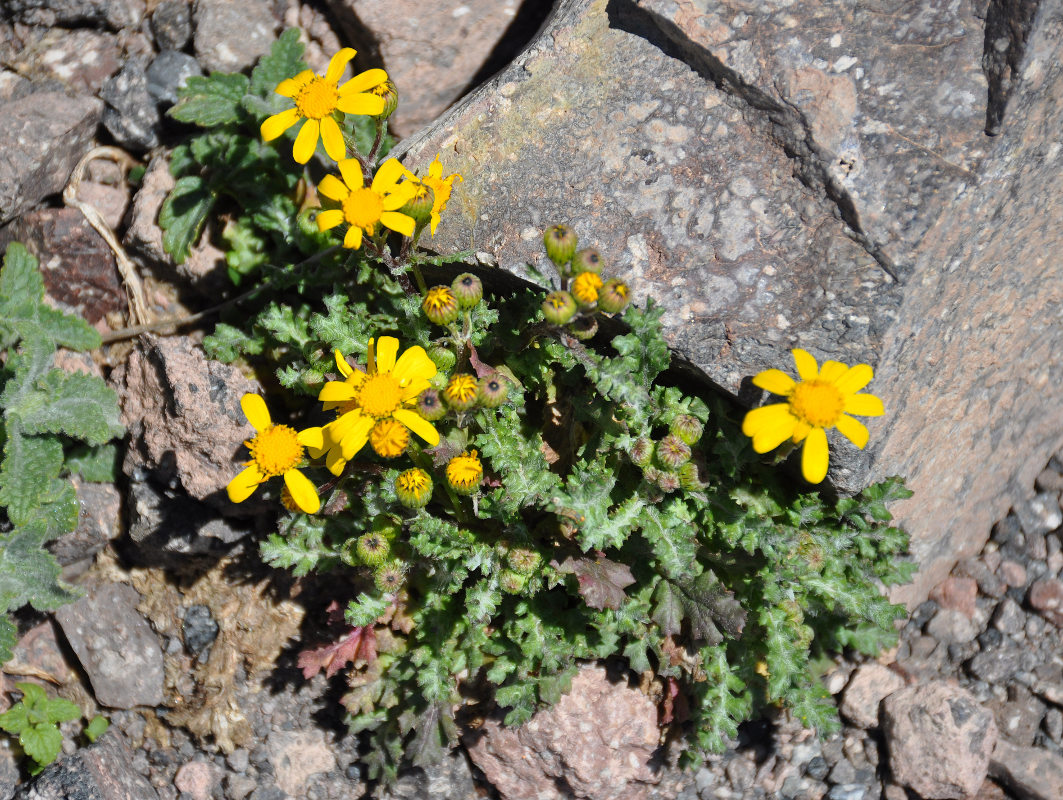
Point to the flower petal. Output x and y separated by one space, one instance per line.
866 405
342 365
769 426
764 416
856 378
353 239
387 175
306 141
333 139
364 81
290 87
304 493
356 437
418 424
397 199
327 220
351 170
336 392
801 431
241 487
775 381
338 63
256 412
414 388
386 349
806 364
368 105
814 456
832 370
311 438
853 430
274 126
333 188
399 223
413 364
335 461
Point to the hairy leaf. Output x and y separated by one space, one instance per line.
30 463
183 214
77 405
97 464
8 639
601 581
28 572
357 644
210 101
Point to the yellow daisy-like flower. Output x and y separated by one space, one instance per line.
461 392
585 288
317 98
440 187
465 472
362 208
821 399
385 393
275 450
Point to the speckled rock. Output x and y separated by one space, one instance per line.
42 136
81 60
298 755
230 35
101 771
1046 598
171 23
867 687
115 646
115 14
1031 773
99 521
131 116
432 51
574 746
939 740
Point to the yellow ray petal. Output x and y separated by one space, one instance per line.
414 363
766 416
256 412
386 349
801 431
353 239
311 438
775 381
241 487
418 424
338 63
414 388
806 364
306 141
771 436
290 87
333 188
387 175
366 104
853 430
335 461
356 438
399 223
327 220
351 170
342 365
363 82
856 378
866 405
274 126
333 139
832 370
336 392
814 456
304 493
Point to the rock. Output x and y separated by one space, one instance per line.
315 32
230 35
606 757
996 666
171 23
42 136
1012 573
110 201
183 413
100 771
1019 717
115 14
432 52
197 779
99 521
131 116
10 775
77 265
952 627
1009 618
847 791
1030 773
956 592
167 73
199 630
115 646
296 756
1046 598
40 650
143 238
939 740
868 686
168 521
80 60
1048 480
1053 724
451 778
1040 514
684 170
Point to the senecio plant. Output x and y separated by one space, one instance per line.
509 479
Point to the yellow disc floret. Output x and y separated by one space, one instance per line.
380 395
317 99
389 438
276 450
465 472
460 392
817 402
414 488
585 288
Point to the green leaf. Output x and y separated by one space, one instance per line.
8 639
59 709
28 572
515 455
16 719
672 535
228 343
78 405
365 609
211 101
284 60
58 510
434 730
183 214
96 728
41 743
586 501
97 464
30 463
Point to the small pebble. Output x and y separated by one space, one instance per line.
817 768
1012 573
855 791
1053 725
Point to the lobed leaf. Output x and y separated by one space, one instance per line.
77 405
183 214
211 101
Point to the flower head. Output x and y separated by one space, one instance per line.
317 98
375 404
440 187
585 288
440 305
821 399
461 392
414 488
276 450
465 472
362 208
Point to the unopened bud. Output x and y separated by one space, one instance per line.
583 328
440 305
587 260
560 242
614 296
468 289
559 307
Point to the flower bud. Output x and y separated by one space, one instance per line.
419 206
512 582
523 561
443 358
372 549
465 472
642 452
687 427
585 288
390 576
559 307
492 390
386 526
690 477
468 289
390 94
583 328
430 405
389 438
587 260
414 488
440 305
461 392
668 481
560 242
672 452
614 296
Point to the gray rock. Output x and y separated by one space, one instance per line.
952 627
101 771
1040 514
115 646
1030 773
1019 717
78 60
171 23
167 521
1053 725
451 778
867 687
995 666
115 14
817 768
42 136
1009 618
230 35
167 73
199 630
296 756
131 116
99 519
848 791
1048 480
939 740
843 772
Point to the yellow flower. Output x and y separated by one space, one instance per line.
389 438
465 472
414 488
585 288
822 399
386 393
317 98
440 187
362 208
275 450
461 392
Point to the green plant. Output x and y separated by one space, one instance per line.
44 412
35 721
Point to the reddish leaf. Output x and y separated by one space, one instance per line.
359 643
601 581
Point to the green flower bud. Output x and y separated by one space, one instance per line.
440 305
419 207
512 582
559 307
560 242
668 481
390 94
587 260
414 488
613 296
690 477
461 392
386 526
642 452
372 549
390 576
583 328
468 289
430 405
443 358
492 390
672 452
686 427
523 561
